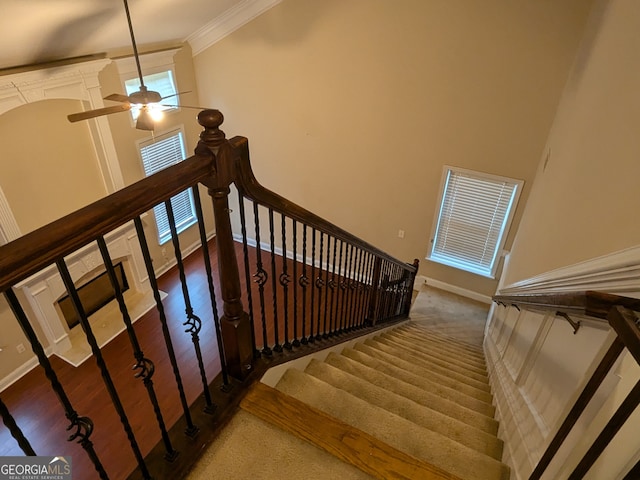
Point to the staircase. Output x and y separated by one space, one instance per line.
412 402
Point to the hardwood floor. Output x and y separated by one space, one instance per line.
39 414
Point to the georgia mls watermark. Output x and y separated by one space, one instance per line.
35 468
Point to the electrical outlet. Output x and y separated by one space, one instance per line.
400 233
20 348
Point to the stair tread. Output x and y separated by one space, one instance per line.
439 357
236 454
448 377
443 334
375 359
396 431
416 394
468 333
474 358
420 415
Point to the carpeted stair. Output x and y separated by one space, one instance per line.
412 402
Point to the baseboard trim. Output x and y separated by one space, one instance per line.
432 282
22 370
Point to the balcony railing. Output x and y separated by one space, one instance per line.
300 283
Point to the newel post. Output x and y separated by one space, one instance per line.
409 285
375 294
234 322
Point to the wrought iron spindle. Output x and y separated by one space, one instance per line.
285 279
206 258
304 283
296 342
247 272
319 284
191 429
144 367
15 430
261 278
343 285
79 426
313 276
104 371
274 283
193 322
332 287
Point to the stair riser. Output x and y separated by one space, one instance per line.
447 335
413 393
419 335
442 355
396 431
426 382
448 376
398 405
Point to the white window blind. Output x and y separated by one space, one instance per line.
472 220
157 154
158 82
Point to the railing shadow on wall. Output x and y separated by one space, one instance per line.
620 315
292 283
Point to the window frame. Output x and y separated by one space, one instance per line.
498 253
181 225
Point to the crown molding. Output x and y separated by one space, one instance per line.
227 23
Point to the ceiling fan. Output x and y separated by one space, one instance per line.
144 98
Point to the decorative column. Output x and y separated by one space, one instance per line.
234 322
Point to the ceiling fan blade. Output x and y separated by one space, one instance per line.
184 106
116 97
175 94
98 112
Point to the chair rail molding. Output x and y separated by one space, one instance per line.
617 273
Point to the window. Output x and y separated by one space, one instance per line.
161 82
158 153
472 220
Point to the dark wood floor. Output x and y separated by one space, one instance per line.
39 414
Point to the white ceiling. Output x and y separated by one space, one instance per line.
35 31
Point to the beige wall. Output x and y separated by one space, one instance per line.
584 204
352 107
48 167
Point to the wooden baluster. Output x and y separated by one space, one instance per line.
235 324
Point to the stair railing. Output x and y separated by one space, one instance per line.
322 282
330 281
620 313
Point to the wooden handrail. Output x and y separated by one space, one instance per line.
249 186
38 249
589 303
